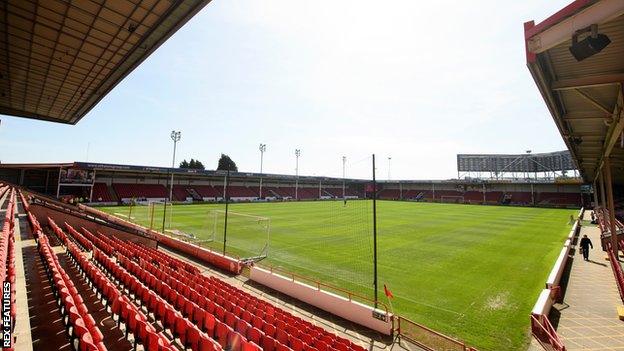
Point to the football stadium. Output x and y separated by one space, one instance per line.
507 251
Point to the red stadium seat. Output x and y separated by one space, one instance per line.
268 343
207 344
209 324
269 330
222 331
192 337
255 335
235 341
282 336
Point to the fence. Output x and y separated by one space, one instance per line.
545 333
617 272
428 339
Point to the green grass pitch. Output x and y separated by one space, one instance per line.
472 272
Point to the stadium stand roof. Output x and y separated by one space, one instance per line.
583 97
527 162
60 58
137 169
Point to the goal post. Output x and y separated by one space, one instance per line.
452 199
155 213
248 235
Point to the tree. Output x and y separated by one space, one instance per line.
226 163
193 164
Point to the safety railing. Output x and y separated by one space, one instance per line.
428 339
617 272
545 333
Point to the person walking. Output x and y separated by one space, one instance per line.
585 244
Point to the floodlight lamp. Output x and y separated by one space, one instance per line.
590 45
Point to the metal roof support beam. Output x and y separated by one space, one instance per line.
593 101
616 130
603 198
540 39
584 116
587 82
614 243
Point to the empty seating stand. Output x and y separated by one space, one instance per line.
128 191
101 193
164 303
559 199
81 327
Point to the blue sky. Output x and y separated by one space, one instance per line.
416 81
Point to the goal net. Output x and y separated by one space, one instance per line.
247 234
452 199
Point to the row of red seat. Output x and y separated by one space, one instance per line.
120 306
79 238
162 309
84 333
180 192
101 193
127 191
230 301
225 333
153 256
7 249
217 309
159 257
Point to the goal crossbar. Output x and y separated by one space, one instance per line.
266 230
241 214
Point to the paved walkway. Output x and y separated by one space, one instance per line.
588 317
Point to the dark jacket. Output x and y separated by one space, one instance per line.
585 243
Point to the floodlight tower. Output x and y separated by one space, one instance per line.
344 161
297 154
262 149
389 158
175 136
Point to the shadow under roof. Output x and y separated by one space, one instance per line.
584 98
59 58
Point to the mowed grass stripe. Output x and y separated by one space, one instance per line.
473 272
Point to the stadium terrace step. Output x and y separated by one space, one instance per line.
47 327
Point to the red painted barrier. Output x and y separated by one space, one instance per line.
617 272
213 258
545 333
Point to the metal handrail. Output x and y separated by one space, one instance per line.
430 331
547 329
